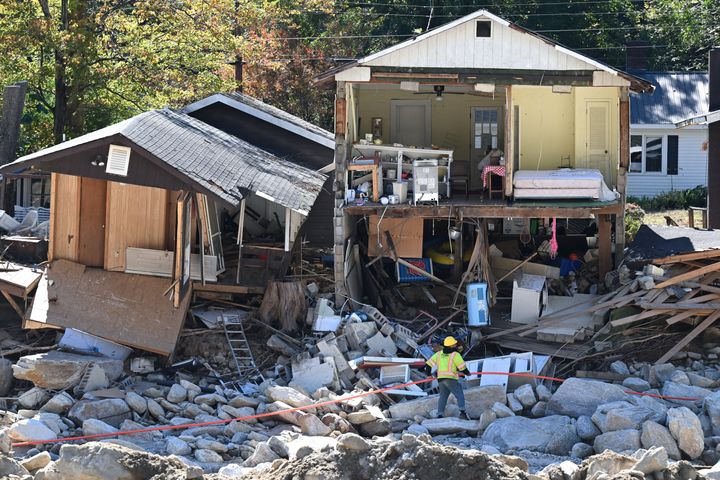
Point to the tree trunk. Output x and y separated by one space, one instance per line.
60 113
12 110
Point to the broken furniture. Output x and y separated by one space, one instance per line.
368 165
529 297
17 281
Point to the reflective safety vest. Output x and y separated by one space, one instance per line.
448 364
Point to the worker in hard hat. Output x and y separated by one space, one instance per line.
449 364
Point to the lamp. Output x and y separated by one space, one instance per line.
98 161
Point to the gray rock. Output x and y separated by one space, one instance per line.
514 404
33 398
207 456
416 429
656 435
486 418
279 446
309 423
608 464
58 370
554 434
627 418
29 430
378 428
177 393
501 410
617 441
59 403
213 445
243 401
6 376
93 426
155 409
447 425
672 389
543 393
288 395
209 399
659 374
136 402
712 407
581 450
352 441
36 462
586 429
576 397
538 410
685 427
263 454
619 367
653 460
700 380
636 384
5 441
680 377
175 446
10 468
112 411
525 395
477 400
657 406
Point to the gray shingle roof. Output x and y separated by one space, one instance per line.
222 163
678 95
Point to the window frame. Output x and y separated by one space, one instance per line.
643 163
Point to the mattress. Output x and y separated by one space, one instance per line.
564 183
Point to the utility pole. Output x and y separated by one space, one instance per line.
12 110
238 58
713 167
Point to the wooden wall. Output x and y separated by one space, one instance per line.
94 221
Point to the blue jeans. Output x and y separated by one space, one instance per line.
448 386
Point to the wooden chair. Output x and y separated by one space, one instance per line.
460 176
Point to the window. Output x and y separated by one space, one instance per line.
485 128
483 29
40 192
654 154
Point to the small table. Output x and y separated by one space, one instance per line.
489 171
369 167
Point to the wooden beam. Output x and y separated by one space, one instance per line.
480 210
689 337
687 257
517 267
604 246
680 306
237 289
680 317
509 134
689 275
637 317
13 304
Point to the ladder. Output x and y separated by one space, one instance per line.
245 366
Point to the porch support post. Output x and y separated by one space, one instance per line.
604 246
339 222
509 134
624 160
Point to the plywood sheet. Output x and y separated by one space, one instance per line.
160 263
136 217
127 309
501 266
92 222
407 234
65 206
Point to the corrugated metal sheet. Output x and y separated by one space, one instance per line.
678 95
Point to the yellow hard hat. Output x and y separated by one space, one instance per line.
449 342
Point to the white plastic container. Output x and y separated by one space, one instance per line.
400 189
8 223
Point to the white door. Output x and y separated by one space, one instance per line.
597 144
410 123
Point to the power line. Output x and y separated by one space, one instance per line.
476 6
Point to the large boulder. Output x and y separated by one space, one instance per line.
712 407
618 441
288 395
308 423
554 434
679 390
685 427
477 400
102 460
57 370
626 418
446 425
576 397
655 435
30 430
111 411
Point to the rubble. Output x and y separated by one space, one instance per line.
57 370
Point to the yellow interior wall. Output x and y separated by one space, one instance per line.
547 127
612 95
450 118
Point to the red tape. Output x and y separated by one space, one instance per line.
306 407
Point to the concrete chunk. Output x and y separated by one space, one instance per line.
57 370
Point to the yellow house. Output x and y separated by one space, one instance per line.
479 119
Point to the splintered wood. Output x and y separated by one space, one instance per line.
685 291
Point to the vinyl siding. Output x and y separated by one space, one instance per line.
692 165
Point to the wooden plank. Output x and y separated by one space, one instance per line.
681 306
679 317
689 337
221 288
136 217
509 133
66 230
53 208
516 267
604 246
637 317
13 304
687 256
486 209
93 201
692 274
128 309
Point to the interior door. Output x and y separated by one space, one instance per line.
92 222
410 123
598 137
485 132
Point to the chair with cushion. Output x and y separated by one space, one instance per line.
460 177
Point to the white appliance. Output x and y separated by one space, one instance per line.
425 181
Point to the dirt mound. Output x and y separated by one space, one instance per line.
408 459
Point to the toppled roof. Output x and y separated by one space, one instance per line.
656 241
572 59
275 116
678 95
223 165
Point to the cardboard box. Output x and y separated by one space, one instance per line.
528 299
515 226
407 235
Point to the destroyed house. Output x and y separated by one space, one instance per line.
477 120
150 209
284 135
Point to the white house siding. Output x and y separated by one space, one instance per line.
692 164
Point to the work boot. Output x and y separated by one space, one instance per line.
464 415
